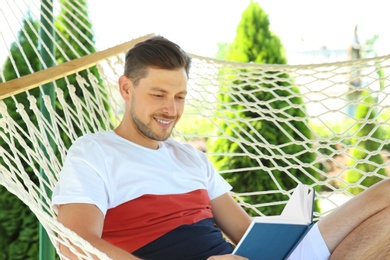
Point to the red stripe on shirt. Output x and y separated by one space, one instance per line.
135 223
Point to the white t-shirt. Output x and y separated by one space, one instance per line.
143 193
107 170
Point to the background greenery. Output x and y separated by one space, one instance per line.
19 236
256 43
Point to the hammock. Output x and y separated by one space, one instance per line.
288 124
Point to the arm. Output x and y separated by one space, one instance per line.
230 217
87 221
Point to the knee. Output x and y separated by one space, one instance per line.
385 185
382 190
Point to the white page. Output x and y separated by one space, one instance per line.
298 209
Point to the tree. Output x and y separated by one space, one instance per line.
76 40
365 154
18 225
255 43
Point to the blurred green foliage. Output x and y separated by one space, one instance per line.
19 228
272 138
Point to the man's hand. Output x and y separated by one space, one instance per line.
227 257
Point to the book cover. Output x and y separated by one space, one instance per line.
275 237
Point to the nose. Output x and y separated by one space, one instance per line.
170 107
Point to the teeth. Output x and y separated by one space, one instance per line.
163 121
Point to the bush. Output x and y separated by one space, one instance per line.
365 155
265 155
19 239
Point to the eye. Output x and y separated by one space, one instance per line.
157 95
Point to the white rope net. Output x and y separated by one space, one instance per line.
326 125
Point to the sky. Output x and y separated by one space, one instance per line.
199 25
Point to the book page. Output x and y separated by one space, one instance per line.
300 205
298 210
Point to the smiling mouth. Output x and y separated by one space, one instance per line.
163 121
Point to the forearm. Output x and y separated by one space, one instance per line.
87 221
230 217
110 250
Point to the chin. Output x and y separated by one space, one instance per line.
161 138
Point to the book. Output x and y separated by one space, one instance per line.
276 237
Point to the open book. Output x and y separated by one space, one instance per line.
275 237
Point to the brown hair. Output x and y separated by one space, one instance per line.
155 52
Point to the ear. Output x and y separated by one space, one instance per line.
125 87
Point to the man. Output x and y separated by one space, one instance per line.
134 193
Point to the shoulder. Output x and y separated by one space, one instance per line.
90 145
98 139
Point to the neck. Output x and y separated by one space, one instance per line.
130 134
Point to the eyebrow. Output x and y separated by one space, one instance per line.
164 91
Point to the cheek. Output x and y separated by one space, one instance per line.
180 107
142 106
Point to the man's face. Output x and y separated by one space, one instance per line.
157 103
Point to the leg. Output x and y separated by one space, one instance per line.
367 241
359 214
